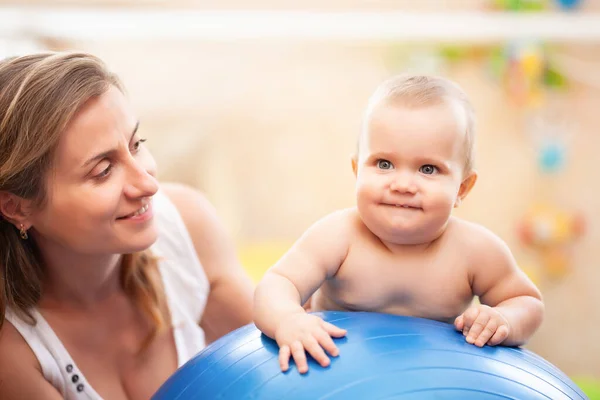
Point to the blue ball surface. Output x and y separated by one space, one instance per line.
383 357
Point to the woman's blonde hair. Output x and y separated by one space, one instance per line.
39 95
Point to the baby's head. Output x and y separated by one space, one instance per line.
414 158
419 91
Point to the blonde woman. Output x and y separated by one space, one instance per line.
109 281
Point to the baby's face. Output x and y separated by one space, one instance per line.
409 170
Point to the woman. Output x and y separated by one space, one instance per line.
108 280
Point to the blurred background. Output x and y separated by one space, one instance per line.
258 104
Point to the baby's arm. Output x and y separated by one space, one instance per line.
511 307
279 296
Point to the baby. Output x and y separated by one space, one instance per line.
400 251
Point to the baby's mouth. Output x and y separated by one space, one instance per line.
402 205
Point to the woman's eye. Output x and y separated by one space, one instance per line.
138 144
384 164
428 169
105 172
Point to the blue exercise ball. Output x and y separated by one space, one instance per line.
383 357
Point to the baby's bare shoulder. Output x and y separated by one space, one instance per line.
337 227
470 234
345 220
478 243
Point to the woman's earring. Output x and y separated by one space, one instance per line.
23 233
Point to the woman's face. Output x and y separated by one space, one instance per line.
100 187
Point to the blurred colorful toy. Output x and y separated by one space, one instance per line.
550 231
569 4
551 156
521 71
520 5
525 72
550 136
545 225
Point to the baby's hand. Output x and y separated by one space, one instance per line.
300 332
482 324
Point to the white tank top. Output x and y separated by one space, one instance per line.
186 288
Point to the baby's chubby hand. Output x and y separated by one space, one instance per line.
481 325
300 332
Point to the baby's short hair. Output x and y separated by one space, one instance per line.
423 90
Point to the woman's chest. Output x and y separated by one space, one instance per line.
107 350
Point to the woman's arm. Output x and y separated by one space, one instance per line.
229 303
20 372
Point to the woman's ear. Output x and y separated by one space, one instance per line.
465 187
15 209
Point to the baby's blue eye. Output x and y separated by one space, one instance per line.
428 169
384 164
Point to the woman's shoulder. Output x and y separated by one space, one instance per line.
191 204
20 371
176 217
211 241
200 220
14 346
181 212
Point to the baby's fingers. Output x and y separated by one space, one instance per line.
326 342
284 357
486 333
316 351
299 357
333 330
500 336
459 323
469 318
479 327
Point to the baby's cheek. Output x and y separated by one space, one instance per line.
442 201
364 190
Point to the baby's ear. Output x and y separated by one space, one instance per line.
354 160
465 187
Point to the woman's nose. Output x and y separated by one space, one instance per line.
140 181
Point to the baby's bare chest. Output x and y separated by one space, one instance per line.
429 285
